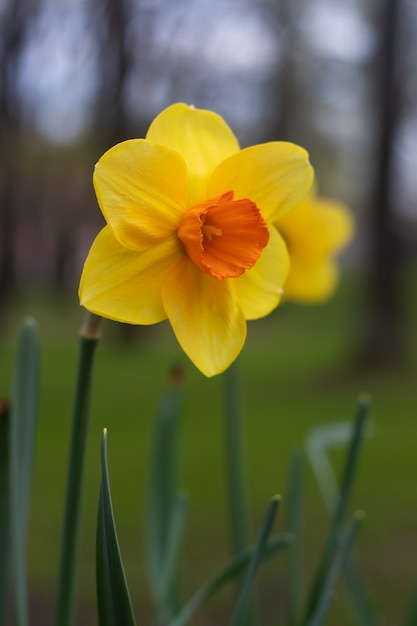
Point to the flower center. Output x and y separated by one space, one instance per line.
222 236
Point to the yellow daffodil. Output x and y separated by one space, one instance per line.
190 232
314 231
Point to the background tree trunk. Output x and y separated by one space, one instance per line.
383 337
115 62
12 33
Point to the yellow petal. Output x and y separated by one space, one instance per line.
338 223
276 176
205 316
260 289
316 228
141 189
125 285
314 231
202 137
311 282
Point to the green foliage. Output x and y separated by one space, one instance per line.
165 525
22 430
113 599
318 444
256 558
295 526
292 380
68 573
229 572
324 591
339 512
4 506
166 510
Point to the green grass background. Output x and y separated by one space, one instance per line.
296 372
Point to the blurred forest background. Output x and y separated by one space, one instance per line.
76 76
338 78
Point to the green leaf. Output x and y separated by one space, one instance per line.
361 607
24 408
340 506
67 583
295 578
257 554
231 571
165 513
234 459
411 614
235 473
4 506
319 443
339 560
173 549
114 606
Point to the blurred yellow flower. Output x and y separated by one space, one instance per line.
314 231
189 232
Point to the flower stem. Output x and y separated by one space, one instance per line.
236 475
4 506
89 337
233 416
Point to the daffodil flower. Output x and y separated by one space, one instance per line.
314 231
190 233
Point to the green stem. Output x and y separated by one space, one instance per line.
236 473
4 506
295 568
89 336
240 616
341 505
22 432
233 416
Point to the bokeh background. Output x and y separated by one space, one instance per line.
339 78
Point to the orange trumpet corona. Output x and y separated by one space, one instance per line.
222 236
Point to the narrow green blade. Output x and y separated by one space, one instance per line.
361 606
114 606
410 618
236 475
24 408
339 560
4 506
173 549
295 578
341 505
231 571
161 495
319 442
234 459
68 568
243 599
